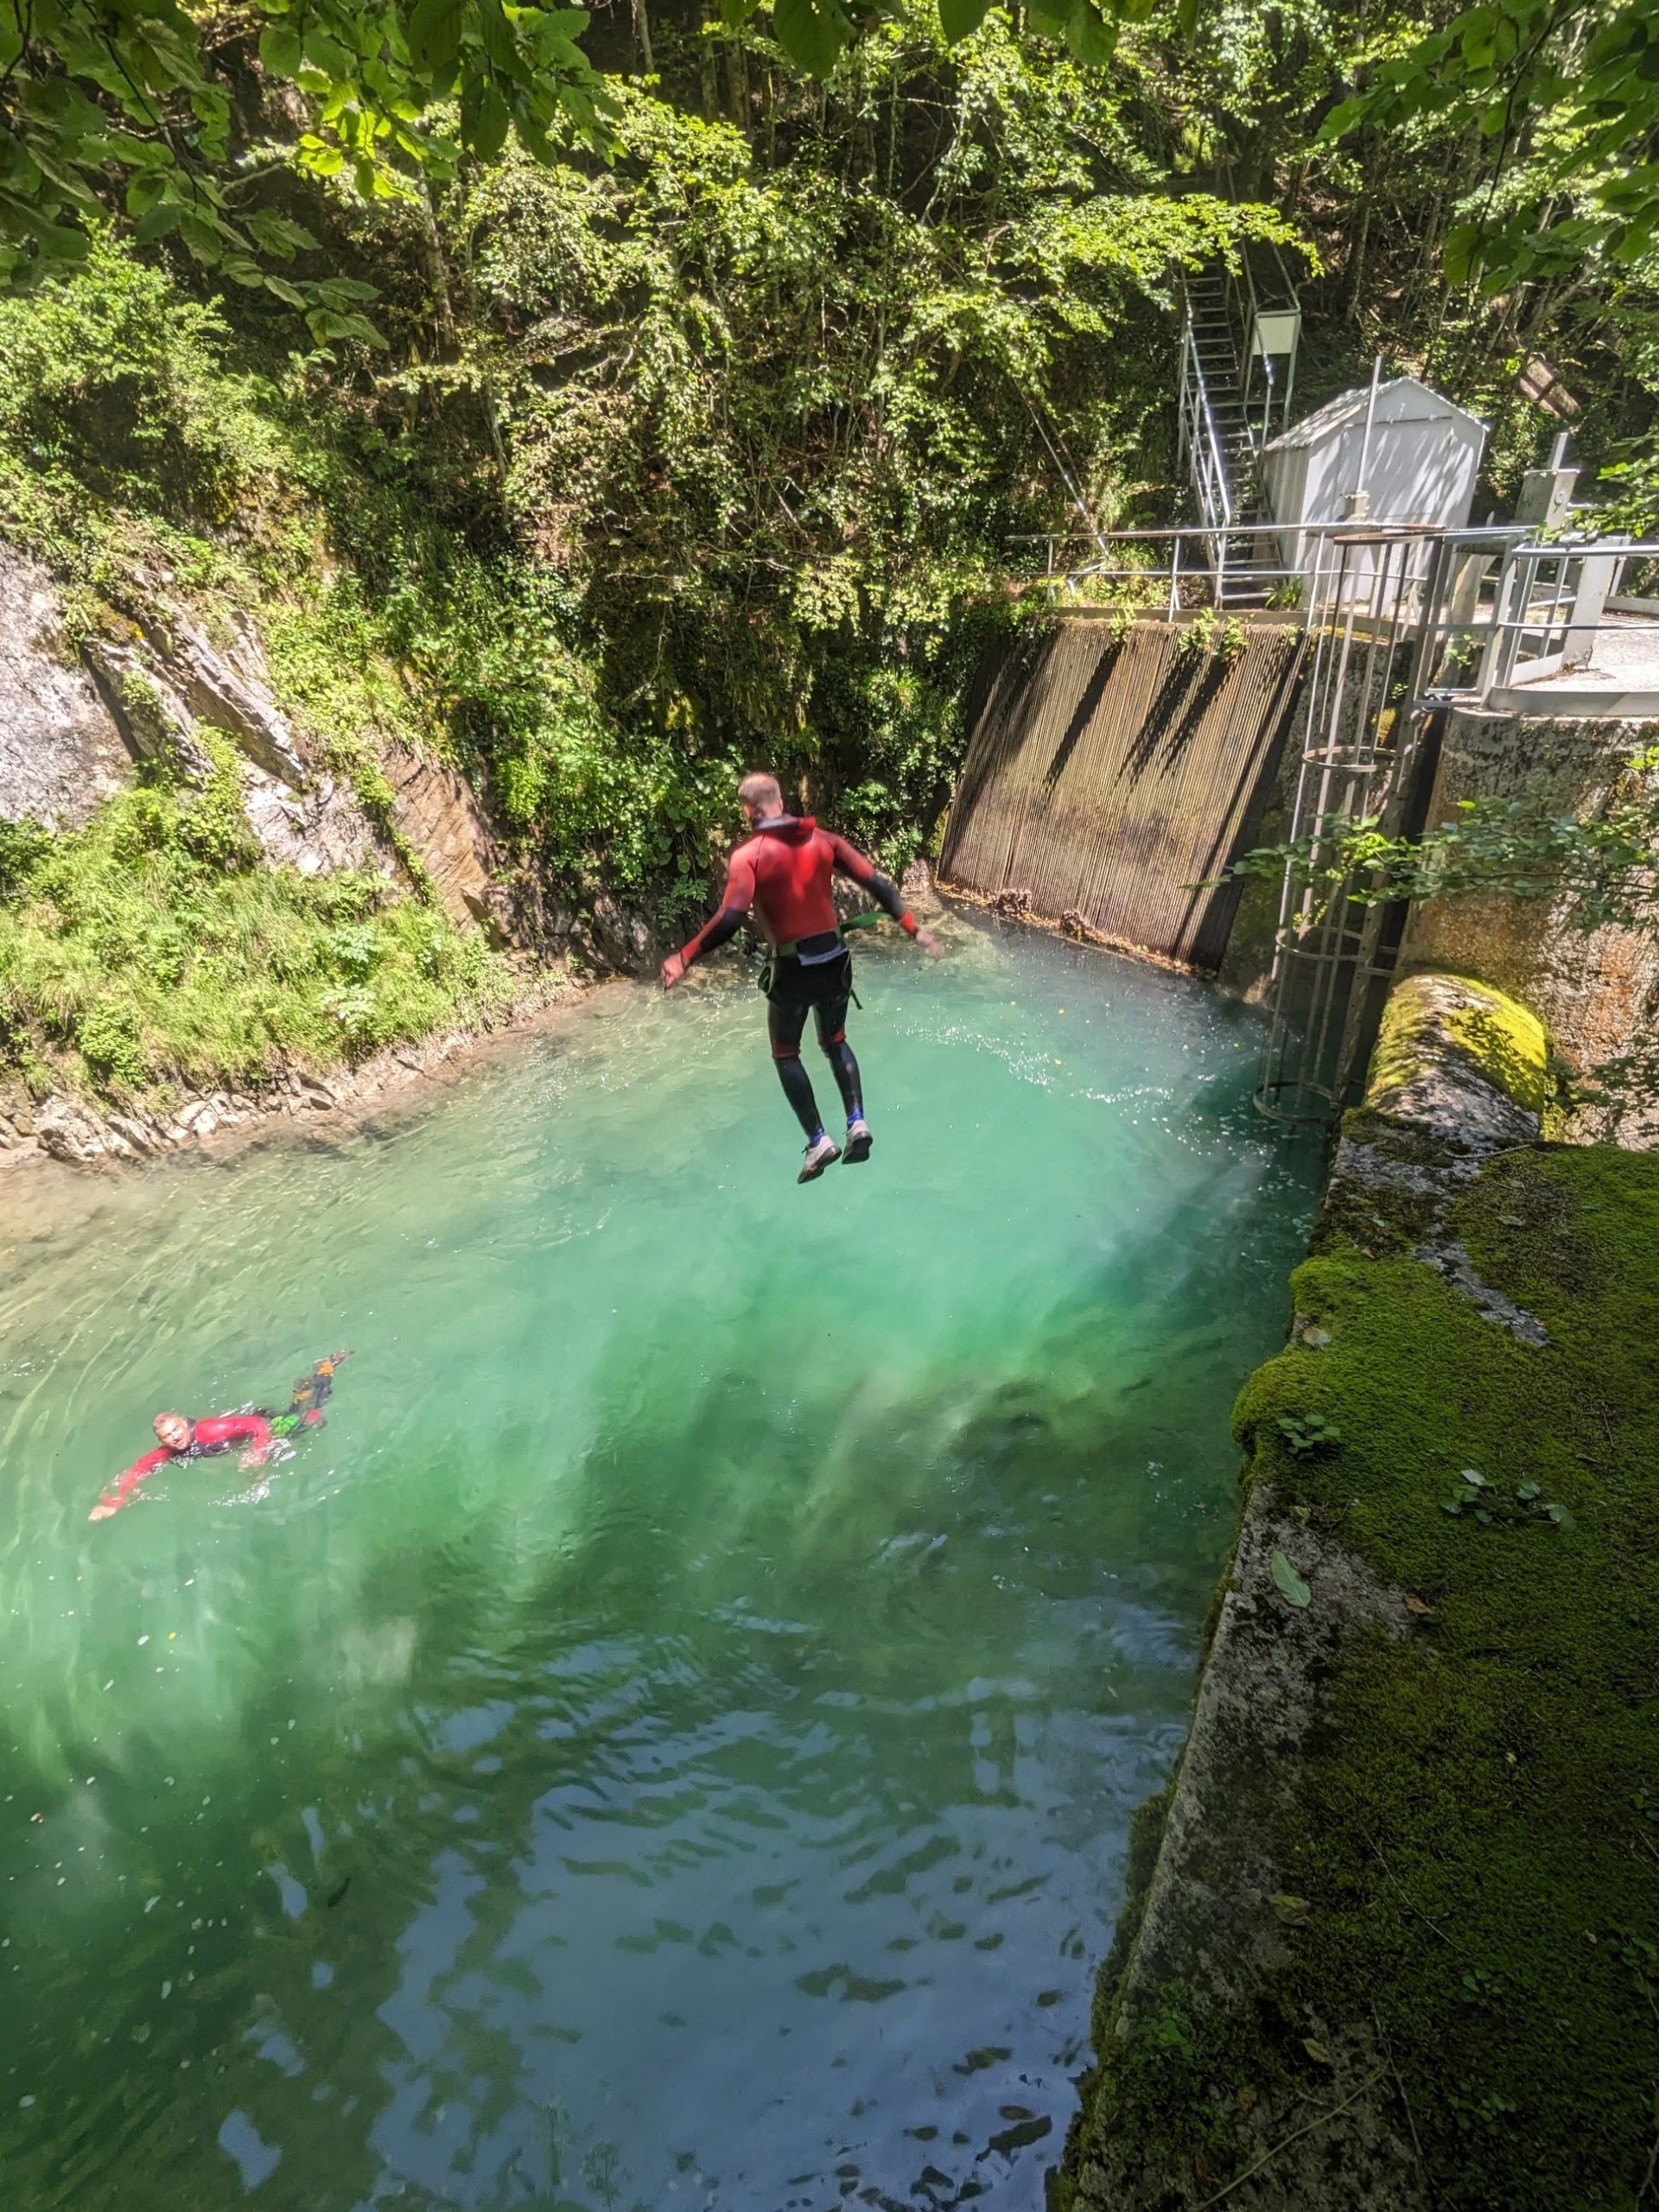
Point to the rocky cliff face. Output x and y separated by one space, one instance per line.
61 753
161 684
75 726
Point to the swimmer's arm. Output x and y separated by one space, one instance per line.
735 902
250 1430
885 892
121 1490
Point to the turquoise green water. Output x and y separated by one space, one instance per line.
670 1741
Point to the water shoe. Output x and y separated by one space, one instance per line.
822 1152
859 1142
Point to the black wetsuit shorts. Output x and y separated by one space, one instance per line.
795 986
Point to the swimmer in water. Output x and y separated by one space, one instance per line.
783 871
179 1439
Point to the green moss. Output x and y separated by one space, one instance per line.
1477 1828
1499 1039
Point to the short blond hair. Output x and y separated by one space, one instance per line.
760 788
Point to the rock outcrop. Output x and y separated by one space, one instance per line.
61 751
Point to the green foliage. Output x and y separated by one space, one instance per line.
123 432
1308 1432
1566 100
771 417
93 90
147 950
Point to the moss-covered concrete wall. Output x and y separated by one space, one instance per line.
1598 991
1395 1940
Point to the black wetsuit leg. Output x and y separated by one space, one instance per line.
829 1006
786 1010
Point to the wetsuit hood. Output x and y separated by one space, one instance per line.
793 829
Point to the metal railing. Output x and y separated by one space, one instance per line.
1274 413
1200 440
1406 623
1190 566
1471 618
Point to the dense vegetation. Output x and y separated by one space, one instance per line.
612 424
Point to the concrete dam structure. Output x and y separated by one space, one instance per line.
1113 771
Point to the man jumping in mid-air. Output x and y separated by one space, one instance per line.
783 872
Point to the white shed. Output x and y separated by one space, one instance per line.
1419 464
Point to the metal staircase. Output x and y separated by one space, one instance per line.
1225 422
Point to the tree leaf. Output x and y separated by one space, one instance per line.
1459 253
435 35
811 32
960 19
280 51
484 117
1289 1585
1093 41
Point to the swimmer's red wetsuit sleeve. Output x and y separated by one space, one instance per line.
218 1434
121 1490
883 888
735 902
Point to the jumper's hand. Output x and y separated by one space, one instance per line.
673 968
929 943
255 1456
101 1512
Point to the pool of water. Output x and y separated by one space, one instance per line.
669 1740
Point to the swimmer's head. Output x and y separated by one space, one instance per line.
760 797
173 1430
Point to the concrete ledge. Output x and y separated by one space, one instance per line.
1364 1967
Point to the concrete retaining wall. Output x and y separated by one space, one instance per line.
1598 991
1112 771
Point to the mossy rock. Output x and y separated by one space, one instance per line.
1463 1061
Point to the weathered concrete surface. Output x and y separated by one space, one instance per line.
1598 990
1113 771
61 751
1460 1076
1213 1916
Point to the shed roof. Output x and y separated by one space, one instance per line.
1350 407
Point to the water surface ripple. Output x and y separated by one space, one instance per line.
670 1741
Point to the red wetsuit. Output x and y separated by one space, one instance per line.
784 871
219 1433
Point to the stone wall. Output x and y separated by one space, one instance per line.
1598 991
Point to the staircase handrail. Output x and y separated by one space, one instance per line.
1200 437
